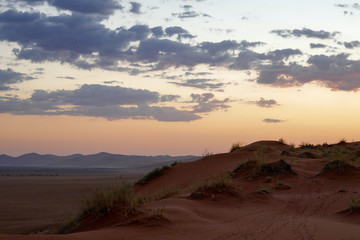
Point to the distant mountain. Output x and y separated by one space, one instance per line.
100 160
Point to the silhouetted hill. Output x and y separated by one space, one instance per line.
99 160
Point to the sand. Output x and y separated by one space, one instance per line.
255 204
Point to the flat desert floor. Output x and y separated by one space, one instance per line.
266 190
30 203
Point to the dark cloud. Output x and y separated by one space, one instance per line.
12 16
65 38
98 101
135 7
336 72
248 59
167 53
305 32
186 7
271 120
157 31
206 102
265 103
203 83
111 82
97 95
186 14
102 7
169 98
65 77
317 45
352 44
9 77
179 31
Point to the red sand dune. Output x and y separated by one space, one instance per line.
312 206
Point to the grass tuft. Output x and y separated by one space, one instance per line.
154 173
236 146
214 186
355 205
102 202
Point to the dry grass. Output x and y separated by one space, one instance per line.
355 206
213 186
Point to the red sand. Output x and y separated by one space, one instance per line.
313 208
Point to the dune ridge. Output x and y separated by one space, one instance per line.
265 190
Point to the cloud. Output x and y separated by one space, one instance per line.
336 72
102 7
97 95
317 45
157 31
169 98
265 103
202 83
135 7
65 77
305 32
179 31
186 14
352 44
272 120
111 82
215 48
248 59
9 77
110 102
345 5
206 102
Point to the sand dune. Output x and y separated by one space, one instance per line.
278 193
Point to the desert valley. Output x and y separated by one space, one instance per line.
265 190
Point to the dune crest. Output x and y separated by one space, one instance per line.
254 192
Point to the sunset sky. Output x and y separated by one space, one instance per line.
176 76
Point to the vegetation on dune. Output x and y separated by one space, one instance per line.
257 168
282 186
355 206
337 166
266 190
213 186
154 173
333 152
104 200
236 146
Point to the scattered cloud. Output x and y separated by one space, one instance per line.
9 77
305 32
206 102
102 7
272 120
65 77
201 83
186 14
265 103
352 44
111 82
317 45
135 7
110 102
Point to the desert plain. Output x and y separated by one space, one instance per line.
265 190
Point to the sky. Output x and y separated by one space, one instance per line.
176 76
